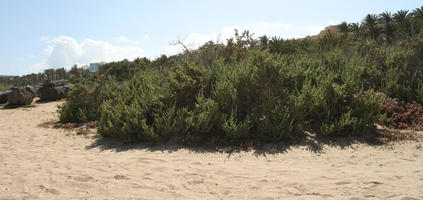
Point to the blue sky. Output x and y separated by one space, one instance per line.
41 34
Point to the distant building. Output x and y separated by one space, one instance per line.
85 67
95 66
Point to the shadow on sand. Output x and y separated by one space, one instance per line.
113 144
33 104
310 142
39 101
8 106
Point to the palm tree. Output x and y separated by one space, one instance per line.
355 28
418 13
370 22
418 19
403 22
400 16
343 28
388 27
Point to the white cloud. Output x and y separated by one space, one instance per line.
64 51
36 67
48 50
195 40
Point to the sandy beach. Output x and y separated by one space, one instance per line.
49 163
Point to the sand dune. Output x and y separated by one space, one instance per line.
47 163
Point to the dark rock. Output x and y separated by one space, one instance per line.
52 92
20 96
49 84
31 89
36 88
3 96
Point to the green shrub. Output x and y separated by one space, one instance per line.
248 89
186 82
143 111
79 106
203 123
84 101
338 110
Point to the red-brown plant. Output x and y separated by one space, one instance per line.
403 115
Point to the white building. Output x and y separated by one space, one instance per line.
85 67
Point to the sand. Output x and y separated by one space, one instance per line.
48 163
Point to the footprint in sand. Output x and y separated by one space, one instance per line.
196 182
409 198
342 183
144 160
149 160
50 190
373 182
298 186
161 169
254 187
222 173
121 177
53 191
195 163
82 178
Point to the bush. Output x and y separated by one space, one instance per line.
79 107
145 110
84 101
338 110
220 104
261 90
